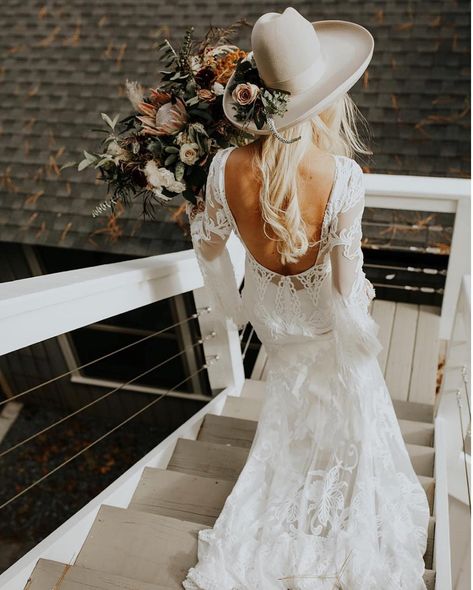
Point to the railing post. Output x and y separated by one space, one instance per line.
458 266
228 369
224 348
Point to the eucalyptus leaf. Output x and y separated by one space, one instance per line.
179 171
67 165
107 120
83 164
170 159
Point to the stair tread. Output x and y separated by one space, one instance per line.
207 459
429 579
227 430
428 483
181 495
49 574
141 546
429 552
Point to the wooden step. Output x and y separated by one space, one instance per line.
207 459
428 483
180 495
53 575
429 579
226 462
140 546
429 552
248 409
227 430
422 459
244 408
419 433
413 411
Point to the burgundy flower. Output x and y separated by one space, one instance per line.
205 77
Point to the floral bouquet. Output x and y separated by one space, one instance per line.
164 148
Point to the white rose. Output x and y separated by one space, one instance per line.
162 178
218 88
189 153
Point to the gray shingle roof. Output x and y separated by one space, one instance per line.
63 62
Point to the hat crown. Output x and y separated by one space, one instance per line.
287 51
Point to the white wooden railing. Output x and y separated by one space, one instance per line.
34 309
452 413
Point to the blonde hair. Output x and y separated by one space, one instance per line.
334 131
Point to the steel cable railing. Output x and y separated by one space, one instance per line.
104 396
108 433
105 356
467 477
247 343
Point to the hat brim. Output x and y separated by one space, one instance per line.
347 49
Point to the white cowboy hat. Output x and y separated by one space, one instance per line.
316 62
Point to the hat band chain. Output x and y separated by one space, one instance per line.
275 132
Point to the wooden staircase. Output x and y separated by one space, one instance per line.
151 544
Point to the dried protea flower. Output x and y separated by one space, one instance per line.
168 119
158 97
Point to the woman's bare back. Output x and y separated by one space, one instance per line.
242 186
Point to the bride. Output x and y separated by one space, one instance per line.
328 497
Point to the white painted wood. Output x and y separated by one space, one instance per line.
228 370
459 264
458 355
64 543
35 309
431 190
426 356
383 314
399 365
442 557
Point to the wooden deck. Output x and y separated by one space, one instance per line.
409 334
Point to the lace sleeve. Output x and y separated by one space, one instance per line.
349 281
210 230
356 331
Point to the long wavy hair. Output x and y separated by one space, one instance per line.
335 131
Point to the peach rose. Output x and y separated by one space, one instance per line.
245 93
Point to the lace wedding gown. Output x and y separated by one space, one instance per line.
328 497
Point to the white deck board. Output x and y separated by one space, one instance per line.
401 350
425 360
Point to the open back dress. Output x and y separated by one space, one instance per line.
328 497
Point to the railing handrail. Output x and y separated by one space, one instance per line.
432 188
28 294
